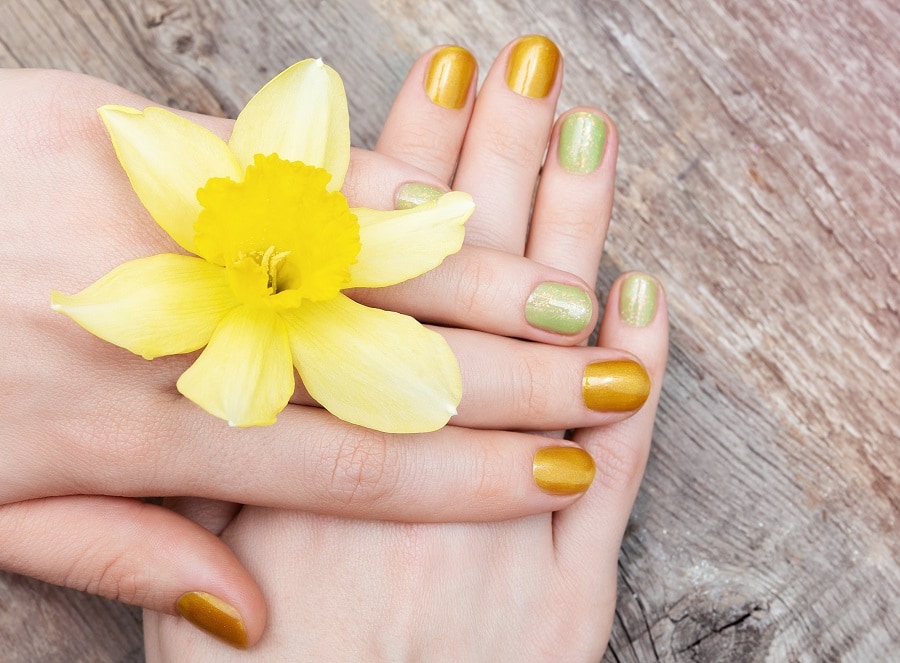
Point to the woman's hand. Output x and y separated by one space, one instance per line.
88 426
539 588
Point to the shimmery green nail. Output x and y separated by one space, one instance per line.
582 139
637 300
560 308
413 194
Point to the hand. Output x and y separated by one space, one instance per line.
532 589
89 426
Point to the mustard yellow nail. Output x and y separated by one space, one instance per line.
211 614
563 470
615 386
532 68
450 77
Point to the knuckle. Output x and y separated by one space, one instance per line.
620 461
484 232
575 231
117 579
510 144
534 384
495 472
113 575
473 287
421 142
362 468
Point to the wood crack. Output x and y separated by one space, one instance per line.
715 630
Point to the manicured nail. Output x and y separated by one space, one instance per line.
637 300
563 470
450 76
532 68
615 386
211 614
413 194
560 308
582 138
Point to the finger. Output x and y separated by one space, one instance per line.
428 120
504 146
509 384
589 533
137 553
574 199
496 292
308 460
376 180
212 515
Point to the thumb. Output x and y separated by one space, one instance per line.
137 553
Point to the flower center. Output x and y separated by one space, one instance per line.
282 236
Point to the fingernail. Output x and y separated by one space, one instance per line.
563 470
637 300
582 138
560 308
212 615
413 194
615 386
532 67
450 76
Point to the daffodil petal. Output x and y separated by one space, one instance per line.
300 115
244 375
168 158
374 368
161 305
400 245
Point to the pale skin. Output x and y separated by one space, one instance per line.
536 588
87 426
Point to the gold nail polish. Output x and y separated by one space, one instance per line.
615 386
212 615
563 470
450 76
532 68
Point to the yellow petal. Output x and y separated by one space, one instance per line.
244 375
161 305
168 158
374 368
400 245
301 115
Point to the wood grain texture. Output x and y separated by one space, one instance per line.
758 177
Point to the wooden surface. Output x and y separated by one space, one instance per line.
758 177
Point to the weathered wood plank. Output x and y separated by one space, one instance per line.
759 173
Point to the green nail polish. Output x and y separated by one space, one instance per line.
582 139
637 300
413 194
560 308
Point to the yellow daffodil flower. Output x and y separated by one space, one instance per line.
273 244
